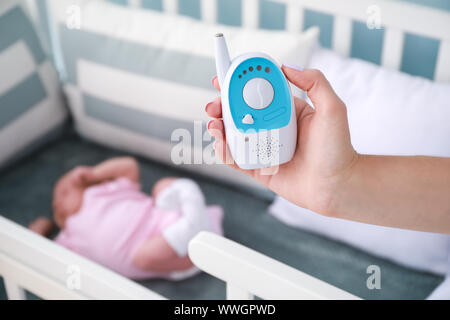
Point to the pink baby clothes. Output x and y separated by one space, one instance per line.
114 219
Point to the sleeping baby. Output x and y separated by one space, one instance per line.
104 216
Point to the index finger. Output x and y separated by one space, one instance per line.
215 83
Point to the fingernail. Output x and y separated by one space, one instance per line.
207 105
212 80
293 66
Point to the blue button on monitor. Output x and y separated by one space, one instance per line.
277 113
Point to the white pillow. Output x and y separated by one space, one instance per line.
389 113
134 75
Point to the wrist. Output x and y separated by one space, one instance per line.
340 192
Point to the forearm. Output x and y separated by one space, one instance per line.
404 192
116 168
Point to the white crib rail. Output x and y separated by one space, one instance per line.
247 272
397 18
250 13
170 6
209 11
442 71
31 262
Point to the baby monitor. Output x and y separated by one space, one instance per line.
257 108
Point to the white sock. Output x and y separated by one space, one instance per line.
184 195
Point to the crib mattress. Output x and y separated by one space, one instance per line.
26 192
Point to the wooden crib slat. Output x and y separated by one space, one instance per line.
294 17
417 19
18 275
392 48
342 35
442 71
41 266
209 10
170 6
250 13
13 290
135 3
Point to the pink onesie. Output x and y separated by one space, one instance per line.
114 219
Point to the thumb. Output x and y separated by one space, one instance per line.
316 85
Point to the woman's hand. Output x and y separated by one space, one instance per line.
327 176
324 157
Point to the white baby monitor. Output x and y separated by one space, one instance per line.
257 108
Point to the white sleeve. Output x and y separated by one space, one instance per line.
186 196
442 291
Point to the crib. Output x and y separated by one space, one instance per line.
35 264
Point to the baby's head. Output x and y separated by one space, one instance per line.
68 193
161 184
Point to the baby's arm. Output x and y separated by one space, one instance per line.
115 168
157 255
